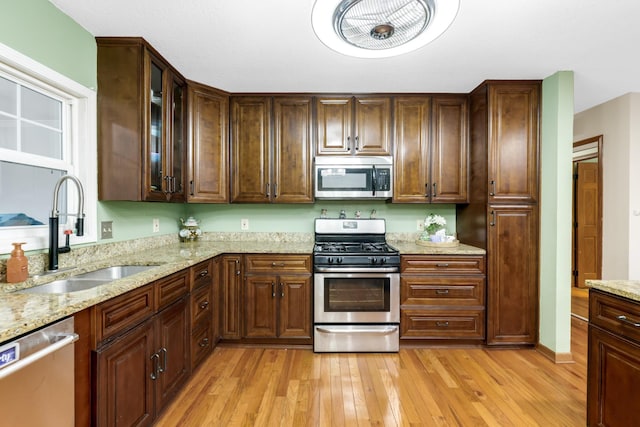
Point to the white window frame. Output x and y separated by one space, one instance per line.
82 139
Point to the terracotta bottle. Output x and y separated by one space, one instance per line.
17 265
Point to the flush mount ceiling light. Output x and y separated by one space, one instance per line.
381 28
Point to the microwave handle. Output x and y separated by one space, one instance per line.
374 180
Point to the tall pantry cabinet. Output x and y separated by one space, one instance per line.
502 214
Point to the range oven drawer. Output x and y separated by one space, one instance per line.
356 338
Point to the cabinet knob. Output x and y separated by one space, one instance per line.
442 324
442 265
203 273
204 343
442 291
204 304
273 264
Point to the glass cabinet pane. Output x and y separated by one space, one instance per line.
178 115
157 129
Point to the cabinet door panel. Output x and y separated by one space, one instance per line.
512 286
295 307
513 143
230 275
334 125
172 345
124 389
411 160
208 159
260 293
177 139
250 141
613 378
373 126
292 151
449 153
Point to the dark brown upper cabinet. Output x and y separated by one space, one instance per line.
141 123
431 149
271 149
208 153
353 125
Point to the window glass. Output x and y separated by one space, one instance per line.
41 140
40 108
26 193
8 132
8 92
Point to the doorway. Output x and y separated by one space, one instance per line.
586 256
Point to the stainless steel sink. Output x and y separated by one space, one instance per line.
115 272
84 281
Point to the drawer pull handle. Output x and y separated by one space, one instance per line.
204 304
204 273
442 324
273 264
442 291
624 319
204 343
444 264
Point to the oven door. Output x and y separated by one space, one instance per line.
348 298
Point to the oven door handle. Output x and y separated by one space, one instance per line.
379 331
356 270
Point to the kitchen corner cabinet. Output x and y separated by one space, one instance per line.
431 149
141 123
271 149
208 154
277 297
353 125
141 356
442 298
613 363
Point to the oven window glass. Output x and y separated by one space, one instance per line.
356 294
344 179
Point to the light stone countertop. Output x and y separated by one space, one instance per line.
623 288
22 313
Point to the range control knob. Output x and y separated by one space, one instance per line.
339 260
373 260
330 260
383 260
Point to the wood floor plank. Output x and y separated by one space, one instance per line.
414 387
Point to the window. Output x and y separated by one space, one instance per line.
47 130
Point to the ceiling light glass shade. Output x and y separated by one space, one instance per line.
381 28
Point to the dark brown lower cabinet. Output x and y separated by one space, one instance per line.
138 373
613 364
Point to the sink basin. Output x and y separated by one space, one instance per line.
64 286
84 281
115 272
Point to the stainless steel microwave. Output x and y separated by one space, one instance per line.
353 177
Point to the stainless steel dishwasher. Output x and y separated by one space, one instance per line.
37 378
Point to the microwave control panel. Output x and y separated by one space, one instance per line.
383 179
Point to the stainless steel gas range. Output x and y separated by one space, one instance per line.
356 287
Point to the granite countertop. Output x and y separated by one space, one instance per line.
623 288
21 313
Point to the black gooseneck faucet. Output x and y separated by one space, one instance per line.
54 250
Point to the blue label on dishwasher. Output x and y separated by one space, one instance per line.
9 354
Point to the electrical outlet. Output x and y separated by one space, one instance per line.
420 224
156 225
244 224
106 230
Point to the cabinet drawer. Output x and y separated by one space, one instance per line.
202 274
442 324
172 288
615 314
424 290
271 263
436 264
201 344
201 304
123 312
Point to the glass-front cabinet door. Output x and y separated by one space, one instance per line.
177 144
157 131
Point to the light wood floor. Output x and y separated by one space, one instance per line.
415 387
580 302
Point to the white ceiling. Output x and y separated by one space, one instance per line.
269 45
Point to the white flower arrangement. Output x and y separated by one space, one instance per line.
434 223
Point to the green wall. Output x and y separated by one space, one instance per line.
134 219
556 206
37 29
